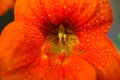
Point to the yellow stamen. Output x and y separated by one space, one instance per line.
63 42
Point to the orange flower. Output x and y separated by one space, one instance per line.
59 40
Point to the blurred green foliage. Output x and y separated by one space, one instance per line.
117 42
6 19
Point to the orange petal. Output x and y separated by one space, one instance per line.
75 68
101 52
96 15
19 46
80 14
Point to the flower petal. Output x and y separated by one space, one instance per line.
101 52
82 15
19 46
75 68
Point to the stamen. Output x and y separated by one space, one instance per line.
62 36
62 42
61 32
65 38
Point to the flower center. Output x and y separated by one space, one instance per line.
62 41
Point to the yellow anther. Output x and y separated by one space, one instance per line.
65 37
60 35
61 32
